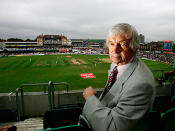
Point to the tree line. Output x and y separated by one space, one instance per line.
18 40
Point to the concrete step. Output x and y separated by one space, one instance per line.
31 124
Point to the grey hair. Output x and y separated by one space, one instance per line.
128 31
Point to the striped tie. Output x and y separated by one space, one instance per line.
112 78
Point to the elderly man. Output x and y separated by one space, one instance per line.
130 90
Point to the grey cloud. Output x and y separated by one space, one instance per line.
86 19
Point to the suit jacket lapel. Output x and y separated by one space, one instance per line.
118 85
109 72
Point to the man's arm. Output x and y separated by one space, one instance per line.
133 104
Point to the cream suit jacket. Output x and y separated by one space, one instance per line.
128 100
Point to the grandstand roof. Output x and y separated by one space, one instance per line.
52 36
23 42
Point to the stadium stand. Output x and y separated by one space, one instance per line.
66 117
173 101
69 128
162 103
61 117
150 122
69 106
47 44
8 115
168 120
161 118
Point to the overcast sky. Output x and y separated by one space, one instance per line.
86 18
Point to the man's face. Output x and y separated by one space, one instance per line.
120 51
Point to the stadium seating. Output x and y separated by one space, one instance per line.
150 122
7 115
68 128
61 117
70 105
168 120
162 104
65 117
173 101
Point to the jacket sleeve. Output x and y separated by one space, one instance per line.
132 106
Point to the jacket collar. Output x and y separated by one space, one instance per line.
118 85
128 71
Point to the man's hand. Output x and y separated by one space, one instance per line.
88 92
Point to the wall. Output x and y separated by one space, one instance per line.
36 103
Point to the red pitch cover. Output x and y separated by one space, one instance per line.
87 75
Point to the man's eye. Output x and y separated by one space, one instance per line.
111 44
123 44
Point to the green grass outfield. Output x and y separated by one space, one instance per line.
14 71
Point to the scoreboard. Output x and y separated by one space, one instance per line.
168 46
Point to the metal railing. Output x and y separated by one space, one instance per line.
162 78
51 90
167 79
51 96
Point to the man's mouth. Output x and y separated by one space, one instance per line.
116 55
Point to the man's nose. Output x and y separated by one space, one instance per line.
117 48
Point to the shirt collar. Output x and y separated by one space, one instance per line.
122 68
